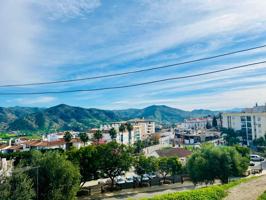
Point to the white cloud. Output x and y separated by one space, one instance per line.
245 97
64 9
35 101
17 38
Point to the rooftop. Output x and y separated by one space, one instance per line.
171 152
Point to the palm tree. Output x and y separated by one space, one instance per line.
68 137
122 129
113 133
84 137
97 136
129 129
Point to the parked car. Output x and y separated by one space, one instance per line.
256 158
120 180
152 175
145 177
129 179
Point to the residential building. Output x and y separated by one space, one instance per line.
250 121
196 123
142 129
196 136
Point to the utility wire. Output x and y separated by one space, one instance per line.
136 71
136 84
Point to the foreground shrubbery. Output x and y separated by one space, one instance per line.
212 192
263 196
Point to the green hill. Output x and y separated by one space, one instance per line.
65 117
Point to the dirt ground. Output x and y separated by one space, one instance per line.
248 191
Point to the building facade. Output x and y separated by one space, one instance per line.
196 123
142 129
251 122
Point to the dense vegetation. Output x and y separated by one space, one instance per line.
55 174
212 192
263 196
210 163
64 117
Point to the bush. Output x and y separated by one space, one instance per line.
207 193
213 193
263 196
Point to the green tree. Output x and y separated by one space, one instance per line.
227 161
129 129
113 133
168 166
68 137
144 165
84 137
260 141
208 125
98 135
58 178
88 159
115 158
214 122
231 137
18 186
122 129
138 146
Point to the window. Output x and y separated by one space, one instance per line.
248 118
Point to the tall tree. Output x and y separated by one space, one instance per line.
98 135
208 125
18 186
168 166
227 161
122 129
68 137
231 137
84 137
144 165
88 159
115 158
214 122
129 129
113 133
57 179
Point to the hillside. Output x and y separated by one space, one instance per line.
64 117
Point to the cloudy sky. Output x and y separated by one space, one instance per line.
52 40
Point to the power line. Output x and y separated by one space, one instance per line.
136 84
136 71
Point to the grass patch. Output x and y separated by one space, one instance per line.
263 196
215 192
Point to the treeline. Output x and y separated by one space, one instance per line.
59 175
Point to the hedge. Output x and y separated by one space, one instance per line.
263 196
208 193
216 192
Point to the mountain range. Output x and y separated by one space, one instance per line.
65 117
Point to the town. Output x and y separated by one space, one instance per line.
122 100
150 141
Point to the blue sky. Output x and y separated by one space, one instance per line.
63 39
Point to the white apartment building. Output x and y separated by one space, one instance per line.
196 123
251 121
141 130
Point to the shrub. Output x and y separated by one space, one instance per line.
263 196
213 193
